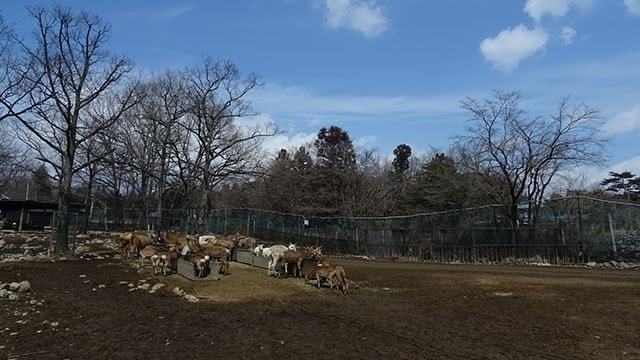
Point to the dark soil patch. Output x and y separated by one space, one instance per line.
398 311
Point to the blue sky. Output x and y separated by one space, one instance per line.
391 71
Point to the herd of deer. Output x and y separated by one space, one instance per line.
164 249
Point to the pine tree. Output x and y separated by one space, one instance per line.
43 190
400 164
278 184
625 183
437 186
335 149
335 172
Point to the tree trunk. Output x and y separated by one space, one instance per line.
203 203
144 199
202 212
88 202
514 222
160 223
161 188
62 234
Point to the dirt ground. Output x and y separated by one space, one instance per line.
394 311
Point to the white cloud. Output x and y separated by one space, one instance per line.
633 7
173 12
591 176
513 45
558 8
365 141
632 165
284 141
568 35
273 144
161 13
359 15
294 103
623 122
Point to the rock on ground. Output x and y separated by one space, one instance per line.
191 298
24 286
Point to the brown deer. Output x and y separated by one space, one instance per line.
200 263
219 253
296 257
334 275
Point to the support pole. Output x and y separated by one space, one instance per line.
21 219
613 235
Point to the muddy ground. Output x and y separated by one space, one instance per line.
397 311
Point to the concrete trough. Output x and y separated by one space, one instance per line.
260 261
244 256
185 269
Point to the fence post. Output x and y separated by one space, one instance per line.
21 218
580 225
475 251
357 242
613 235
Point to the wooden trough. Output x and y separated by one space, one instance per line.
185 269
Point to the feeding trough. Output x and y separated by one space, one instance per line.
244 256
185 269
260 261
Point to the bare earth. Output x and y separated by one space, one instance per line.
394 311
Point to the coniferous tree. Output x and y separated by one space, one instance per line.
625 183
302 181
335 170
437 186
277 185
43 191
401 153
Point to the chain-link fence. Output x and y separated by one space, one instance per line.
567 230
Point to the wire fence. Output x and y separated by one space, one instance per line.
567 230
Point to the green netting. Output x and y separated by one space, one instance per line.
567 230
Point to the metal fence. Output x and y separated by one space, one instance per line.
568 230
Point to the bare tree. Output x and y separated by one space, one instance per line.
18 82
226 148
82 82
518 156
164 106
14 161
374 185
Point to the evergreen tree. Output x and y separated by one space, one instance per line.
278 184
302 188
401 160
335 149
335 178
43 190
437 186
625 183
